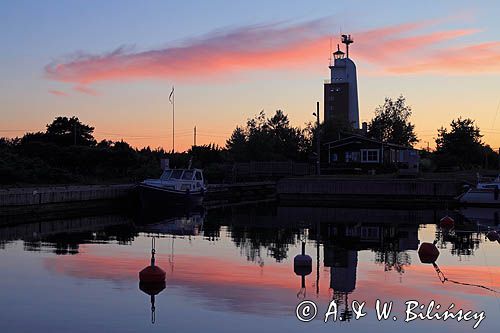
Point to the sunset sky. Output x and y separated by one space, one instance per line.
113 63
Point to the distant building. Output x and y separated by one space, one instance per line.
356 150
341 91
360 151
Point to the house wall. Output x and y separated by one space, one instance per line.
355 151
361 152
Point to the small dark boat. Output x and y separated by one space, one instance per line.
187 225
175 188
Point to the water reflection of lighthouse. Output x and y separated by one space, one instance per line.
343 264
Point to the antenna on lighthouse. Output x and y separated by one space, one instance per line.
346 39
330 53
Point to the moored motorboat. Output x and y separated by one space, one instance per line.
175 187
486 193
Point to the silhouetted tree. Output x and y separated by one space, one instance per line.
334 128
205 155
391 123
268 139
460 146
66 131
237 144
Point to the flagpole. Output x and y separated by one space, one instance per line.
171 99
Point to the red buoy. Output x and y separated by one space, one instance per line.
493 236
428 253
152 280
152 274
447 222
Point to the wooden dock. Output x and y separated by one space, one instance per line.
329 190
60 194
28 204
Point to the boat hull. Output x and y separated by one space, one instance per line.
154 197
481 197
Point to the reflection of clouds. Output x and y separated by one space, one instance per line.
226 285
236 287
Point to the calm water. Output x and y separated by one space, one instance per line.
232 270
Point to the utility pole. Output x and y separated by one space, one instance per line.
74 134
195 136
318 141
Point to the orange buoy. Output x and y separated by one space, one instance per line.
447 222
428 253
493 236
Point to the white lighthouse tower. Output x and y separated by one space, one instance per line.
341 93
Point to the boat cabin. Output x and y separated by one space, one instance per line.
182 174
180 180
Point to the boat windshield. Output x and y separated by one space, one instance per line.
166 175
176 174
188 175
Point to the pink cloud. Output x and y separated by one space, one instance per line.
479 58
58 93
85 90
388 48
395 49
253 47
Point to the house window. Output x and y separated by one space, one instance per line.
401 156
334 157
352 156
369 155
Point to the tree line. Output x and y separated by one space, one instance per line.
67 151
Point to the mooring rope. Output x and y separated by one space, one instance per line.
444 279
